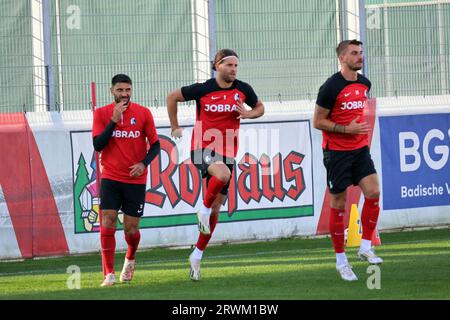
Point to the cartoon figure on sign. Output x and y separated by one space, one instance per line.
90 205
87 199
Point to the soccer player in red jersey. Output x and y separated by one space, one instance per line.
339 114
121 131
214 145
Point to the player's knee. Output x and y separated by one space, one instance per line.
338 203
109 221
224 175
373 193
130 231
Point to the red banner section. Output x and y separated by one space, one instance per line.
353 193
27 191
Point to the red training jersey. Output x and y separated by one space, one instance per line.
346 101
217 126
128 144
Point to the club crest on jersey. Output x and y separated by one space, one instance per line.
133 121
237 97
207 159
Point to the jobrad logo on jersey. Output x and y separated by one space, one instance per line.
126 134
220 107
353 105
415 160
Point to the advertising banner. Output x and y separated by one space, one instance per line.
271 179
415 160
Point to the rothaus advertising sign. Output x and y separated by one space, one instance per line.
271 178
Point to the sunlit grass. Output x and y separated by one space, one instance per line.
416 266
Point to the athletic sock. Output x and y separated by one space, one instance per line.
369 217
341 259
108 243
203 240
215 185
204 210
133 243
197 254
336 227
365 245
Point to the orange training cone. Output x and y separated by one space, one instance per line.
376 240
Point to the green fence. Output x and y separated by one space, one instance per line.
286 48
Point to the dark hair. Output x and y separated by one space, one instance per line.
343 45
121 78
222 54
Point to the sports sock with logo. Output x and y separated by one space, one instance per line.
108 243
336 226
369 217
133 243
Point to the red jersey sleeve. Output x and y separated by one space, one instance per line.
150 129
98 125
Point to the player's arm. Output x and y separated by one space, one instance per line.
138 169
256 112
101 140
172 108
152 153
321 122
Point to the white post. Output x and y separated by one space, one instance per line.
352 16
200 40
59 54
39 76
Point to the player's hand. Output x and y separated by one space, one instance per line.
177 133
137 169
356 127
243 113
119 108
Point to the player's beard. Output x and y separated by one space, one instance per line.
228 78
355 67
120 99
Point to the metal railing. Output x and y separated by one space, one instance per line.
286 47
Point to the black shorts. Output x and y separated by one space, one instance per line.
203 158
345 168
127 197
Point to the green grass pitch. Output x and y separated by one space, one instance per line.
416 266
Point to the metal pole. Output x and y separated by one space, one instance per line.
442 57
47 37
343 19
212 30
363 33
